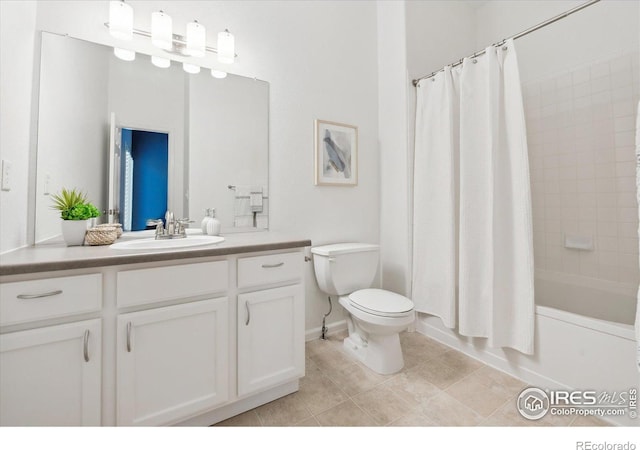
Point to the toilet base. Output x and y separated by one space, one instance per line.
382 354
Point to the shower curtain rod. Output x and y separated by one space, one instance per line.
516 36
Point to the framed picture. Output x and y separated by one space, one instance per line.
336 146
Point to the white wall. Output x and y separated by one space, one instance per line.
439 33
320 60
17 45
392 133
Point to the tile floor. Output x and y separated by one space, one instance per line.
437 387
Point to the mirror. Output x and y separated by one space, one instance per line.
216 133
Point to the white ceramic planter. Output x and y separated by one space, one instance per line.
73 231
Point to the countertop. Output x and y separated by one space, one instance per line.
55 255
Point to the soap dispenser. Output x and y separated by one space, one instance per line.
206 220
213 226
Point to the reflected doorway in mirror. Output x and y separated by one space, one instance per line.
139 177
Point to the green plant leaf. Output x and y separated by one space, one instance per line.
73 205
67 199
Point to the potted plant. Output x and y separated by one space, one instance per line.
75 212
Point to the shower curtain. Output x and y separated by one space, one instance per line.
470 125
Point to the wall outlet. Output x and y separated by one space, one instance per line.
6 175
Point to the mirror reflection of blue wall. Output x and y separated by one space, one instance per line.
144 175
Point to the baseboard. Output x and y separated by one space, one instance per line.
335 327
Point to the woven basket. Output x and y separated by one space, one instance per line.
102 235
117 226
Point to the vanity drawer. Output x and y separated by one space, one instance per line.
269 269
142 286
26 301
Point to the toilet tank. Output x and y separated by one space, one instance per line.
344 268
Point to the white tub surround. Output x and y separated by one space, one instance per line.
190 336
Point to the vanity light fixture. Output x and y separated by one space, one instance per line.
121 20
190 68
120 26
196 38
161 30
161 62
226 47
125 55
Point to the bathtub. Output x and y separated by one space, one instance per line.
584 338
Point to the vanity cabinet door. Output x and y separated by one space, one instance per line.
51 376
172 362
270 338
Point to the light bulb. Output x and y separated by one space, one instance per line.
120 20
161 62
218 73
226 47
125 55
161 30
191 68
196 38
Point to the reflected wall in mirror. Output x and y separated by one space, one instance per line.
216 133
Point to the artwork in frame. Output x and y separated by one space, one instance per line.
336 146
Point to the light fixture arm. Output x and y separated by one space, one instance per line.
179 42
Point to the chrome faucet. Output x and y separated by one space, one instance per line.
172 229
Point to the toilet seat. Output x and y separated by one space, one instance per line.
381 303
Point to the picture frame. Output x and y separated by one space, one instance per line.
336 154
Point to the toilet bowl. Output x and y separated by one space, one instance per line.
373 334
375 316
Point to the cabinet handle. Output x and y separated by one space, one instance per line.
272 266
246 305
129 337
46 294
86 345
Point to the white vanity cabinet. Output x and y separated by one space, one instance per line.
270 322
51 375
270 338
184 339
172 361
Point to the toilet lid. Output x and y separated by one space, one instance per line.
381 302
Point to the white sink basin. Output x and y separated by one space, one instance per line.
153 244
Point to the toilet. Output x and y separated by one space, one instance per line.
376 317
